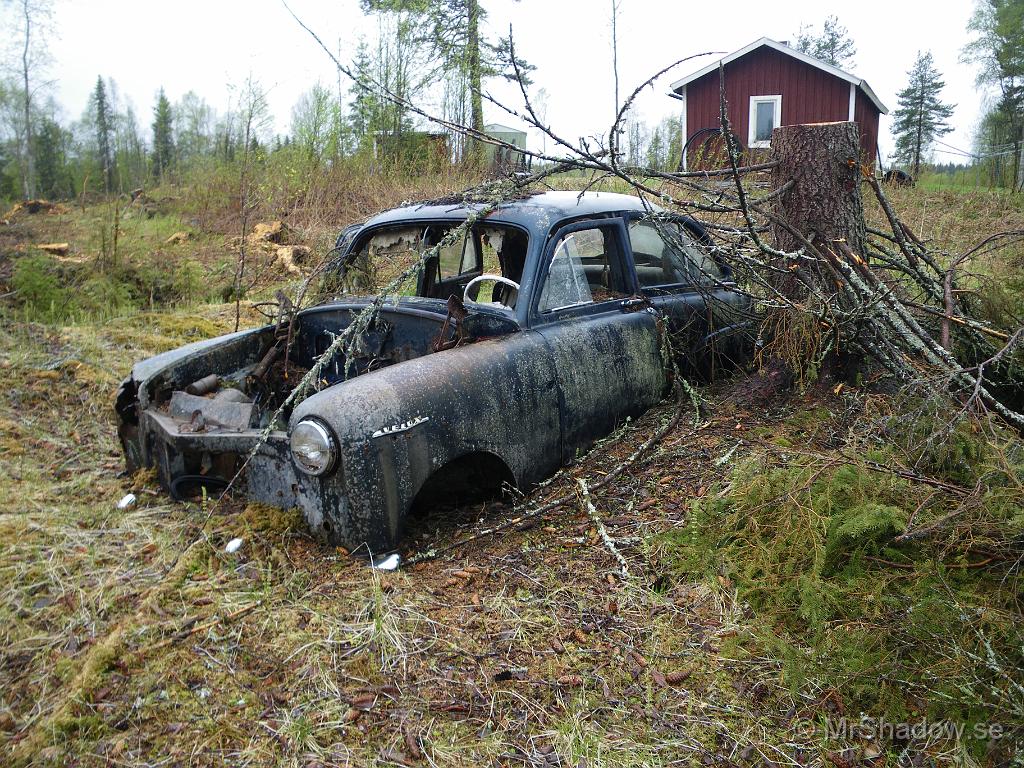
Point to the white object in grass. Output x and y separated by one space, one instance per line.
386 562
126 501
233 546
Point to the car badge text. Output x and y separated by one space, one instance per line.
396 428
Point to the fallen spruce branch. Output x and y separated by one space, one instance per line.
197 628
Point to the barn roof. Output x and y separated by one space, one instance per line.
781 48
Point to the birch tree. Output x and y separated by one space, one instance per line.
998 49
30 24
451 30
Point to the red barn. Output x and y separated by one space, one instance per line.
768 84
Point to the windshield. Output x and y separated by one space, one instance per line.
382 255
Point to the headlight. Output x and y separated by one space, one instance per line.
313 447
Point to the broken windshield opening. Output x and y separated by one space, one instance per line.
384 254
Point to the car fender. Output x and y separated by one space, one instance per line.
399 425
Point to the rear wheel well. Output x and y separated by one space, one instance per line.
471 477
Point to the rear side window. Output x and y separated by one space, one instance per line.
666 255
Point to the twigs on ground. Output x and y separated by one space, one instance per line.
525 516
609 543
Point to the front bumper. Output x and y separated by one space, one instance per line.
213 457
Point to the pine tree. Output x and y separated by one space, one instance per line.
50 160
104 124
921 117
363 105
833 45
163 136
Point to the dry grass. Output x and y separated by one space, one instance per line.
510 649
130 637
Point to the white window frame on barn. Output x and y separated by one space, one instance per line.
775 99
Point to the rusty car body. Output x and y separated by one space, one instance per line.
445 390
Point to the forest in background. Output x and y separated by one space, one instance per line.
420 51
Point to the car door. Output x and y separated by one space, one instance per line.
678 275
602 337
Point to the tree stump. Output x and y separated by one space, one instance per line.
824 204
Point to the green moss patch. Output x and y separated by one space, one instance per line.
898 627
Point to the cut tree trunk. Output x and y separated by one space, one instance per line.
824 203
822 207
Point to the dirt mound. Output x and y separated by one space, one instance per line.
269 232
289 257
33 207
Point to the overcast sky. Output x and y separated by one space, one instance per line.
211 46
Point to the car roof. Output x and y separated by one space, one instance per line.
534 212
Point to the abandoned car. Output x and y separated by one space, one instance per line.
522 340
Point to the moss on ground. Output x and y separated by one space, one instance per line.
921 627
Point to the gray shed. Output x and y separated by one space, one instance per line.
506 159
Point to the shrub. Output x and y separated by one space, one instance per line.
190 282
39 288
104 296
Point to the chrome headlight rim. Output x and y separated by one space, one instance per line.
330 443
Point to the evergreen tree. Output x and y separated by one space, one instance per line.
921 116
656 150
363 104
103 121
673 130
163 136
451 30
396 67
833 45
51 173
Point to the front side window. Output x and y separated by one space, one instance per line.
585 268
765 117
666 255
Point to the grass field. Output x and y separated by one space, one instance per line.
130 637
